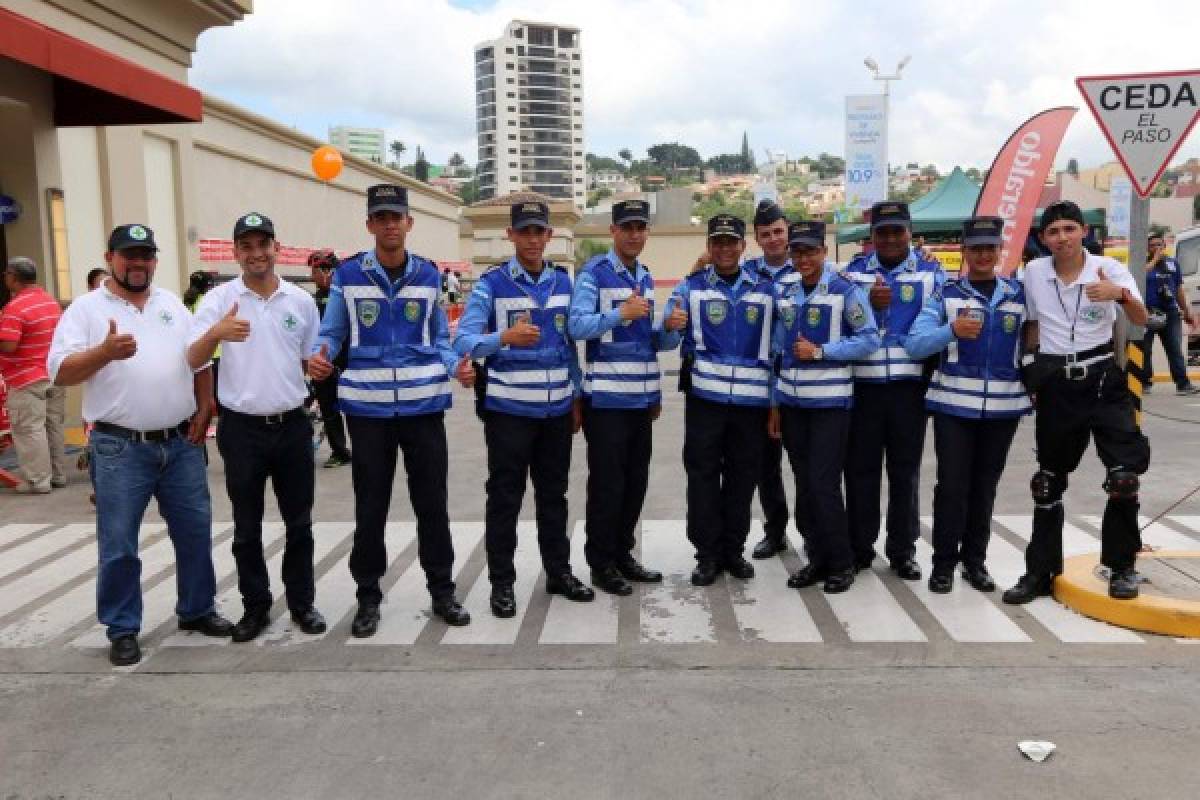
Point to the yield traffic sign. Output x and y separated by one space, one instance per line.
1146 117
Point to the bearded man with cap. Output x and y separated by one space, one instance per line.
126 342
975 326
729 361
889 394
267 327
516 322
383 306
612 309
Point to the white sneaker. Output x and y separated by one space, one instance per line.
25 487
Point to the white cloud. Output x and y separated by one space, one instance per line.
703 71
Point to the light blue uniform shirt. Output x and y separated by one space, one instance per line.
586 322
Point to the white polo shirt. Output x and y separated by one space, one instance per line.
151 390
265 373
1062 309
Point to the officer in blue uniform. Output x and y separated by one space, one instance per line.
824 324
975 326
1165 296
727 350
612 309
394 392
516 321
889 394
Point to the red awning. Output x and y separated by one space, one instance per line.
93 86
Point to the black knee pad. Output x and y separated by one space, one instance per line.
1047 488
1122 484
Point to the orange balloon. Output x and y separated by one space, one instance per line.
326 162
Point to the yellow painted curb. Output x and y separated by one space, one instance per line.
1151 611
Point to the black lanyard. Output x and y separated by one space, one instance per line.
1078 299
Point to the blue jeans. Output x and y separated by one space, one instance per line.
1172 339
126 475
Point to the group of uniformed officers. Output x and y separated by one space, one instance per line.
781 353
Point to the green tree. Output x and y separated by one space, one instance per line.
748 164
421 166
469 191
397 148
625 155
586 249
671 156
455 160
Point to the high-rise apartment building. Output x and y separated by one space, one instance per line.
368 143
529 112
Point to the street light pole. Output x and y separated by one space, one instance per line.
873 66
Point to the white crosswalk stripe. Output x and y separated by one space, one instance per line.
47 594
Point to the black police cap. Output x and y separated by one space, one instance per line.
630 211
768 211
982 230
253 222
810 232
525 215
387 197
126 237
890 213
726 225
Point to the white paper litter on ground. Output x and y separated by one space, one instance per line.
1036 751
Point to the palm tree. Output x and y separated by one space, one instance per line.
397 147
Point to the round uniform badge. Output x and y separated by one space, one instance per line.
412 310
368 312
907 293
560 322
752 313
1010 323
789 315
716 311
813 317
290 322
252 219
138 232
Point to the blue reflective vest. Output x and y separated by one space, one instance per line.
531 381
981 378
621 366
912 283
830 313
393 366
729 338
784 277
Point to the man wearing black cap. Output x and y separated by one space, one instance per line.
612 309
516 319
127 344
974 326
889 394
267 327
727 344
394 392
1080 394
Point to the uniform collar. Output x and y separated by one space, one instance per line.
516 271
152 295
909 264
772 272
240 288
828 273
1002 290
369 261
711 277
619 265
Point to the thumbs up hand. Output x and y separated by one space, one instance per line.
635 306
803 349
319 366
231 329
880 294
118 346
465 372
1103 289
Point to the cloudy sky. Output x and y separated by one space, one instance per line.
702 71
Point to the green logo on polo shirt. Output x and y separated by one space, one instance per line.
138 232
1091 314
1010 323
752 313
166 318
716 310
290 322
907 293
412 310
814 317
368 312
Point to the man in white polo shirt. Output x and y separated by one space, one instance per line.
1079 394
126 343
266 327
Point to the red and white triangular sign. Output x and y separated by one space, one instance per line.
1145 117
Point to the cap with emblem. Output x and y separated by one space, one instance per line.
807 233
726 225
982 231
387 197
126 237
525 215
890 214
253 223
630 211
767 212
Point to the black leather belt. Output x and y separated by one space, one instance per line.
1079 366
142 436
267 419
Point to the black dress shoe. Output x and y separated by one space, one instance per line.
861 564
705 573
1123 584
907 569
941 582
211 624
769 546
366 620
633 571
252 623
503 602
838 582
739 568
979 579
612 581
124 651
570 587
309 621
451 612
1028 588
808 575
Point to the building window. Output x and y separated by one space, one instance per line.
512 80
575 56
508 50
509 65
512 136
512 150
574 72
510 94
512 165
58 244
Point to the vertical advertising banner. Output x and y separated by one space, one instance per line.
1120 200
1014 183
866 150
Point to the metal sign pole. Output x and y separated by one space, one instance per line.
1135 355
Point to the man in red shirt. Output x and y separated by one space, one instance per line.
36 406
